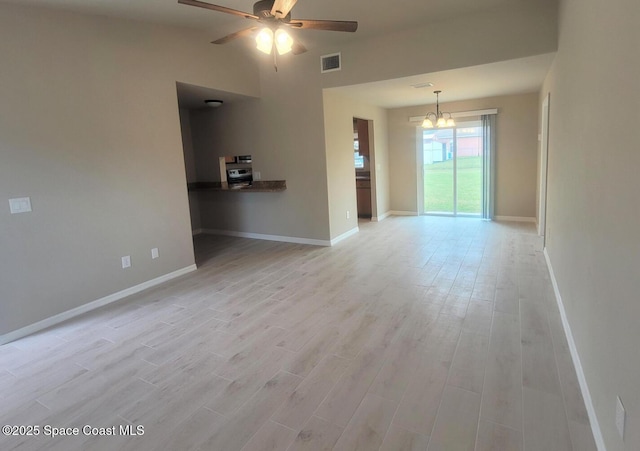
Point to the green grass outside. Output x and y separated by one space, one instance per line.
438 186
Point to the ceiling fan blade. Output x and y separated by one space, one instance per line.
298 48
237 34
221 9
328 25
281 8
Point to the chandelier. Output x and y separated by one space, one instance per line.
438 117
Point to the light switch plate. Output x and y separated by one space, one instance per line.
257 175
20 205
154 253
126 261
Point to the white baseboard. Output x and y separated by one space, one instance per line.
584 388
260 236
381 217
60 317
402 213
515 218
345 235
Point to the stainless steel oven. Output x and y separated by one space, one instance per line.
235 176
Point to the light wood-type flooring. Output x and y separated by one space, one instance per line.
418 333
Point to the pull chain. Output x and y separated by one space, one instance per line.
275 57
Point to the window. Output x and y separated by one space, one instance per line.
359 160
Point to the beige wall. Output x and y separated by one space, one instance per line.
593 214
90 130
516 152
339 112
286 146
190 166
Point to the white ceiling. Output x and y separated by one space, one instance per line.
193 97
375 17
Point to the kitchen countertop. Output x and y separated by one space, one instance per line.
257 186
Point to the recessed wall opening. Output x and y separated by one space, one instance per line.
362 155
209 158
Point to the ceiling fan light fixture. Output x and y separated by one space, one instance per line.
270 16
264 40
284 42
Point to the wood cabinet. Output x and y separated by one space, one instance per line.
363 197
362 129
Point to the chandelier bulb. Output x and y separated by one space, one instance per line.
427 123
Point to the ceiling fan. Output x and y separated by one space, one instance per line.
273 16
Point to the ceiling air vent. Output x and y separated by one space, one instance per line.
330 63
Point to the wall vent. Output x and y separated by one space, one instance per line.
330 63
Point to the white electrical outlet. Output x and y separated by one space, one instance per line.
126 261
154 253
20 205
348 214
257 175
620 417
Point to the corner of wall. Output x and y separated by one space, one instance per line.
584 387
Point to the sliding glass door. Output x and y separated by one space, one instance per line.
452 157
439 171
